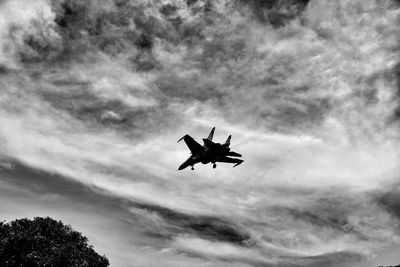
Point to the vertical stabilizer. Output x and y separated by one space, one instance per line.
211 135
228 141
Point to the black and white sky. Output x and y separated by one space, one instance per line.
94 95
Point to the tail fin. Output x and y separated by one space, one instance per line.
211 135
228 141
208 143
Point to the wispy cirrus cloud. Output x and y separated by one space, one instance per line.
95 94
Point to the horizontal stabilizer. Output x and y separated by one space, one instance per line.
230 160
237 164
233 154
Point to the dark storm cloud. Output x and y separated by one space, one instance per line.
391 201
89 27
4 70
396 72
207 227
112 27
276 12
227 66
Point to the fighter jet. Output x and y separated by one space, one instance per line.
209 152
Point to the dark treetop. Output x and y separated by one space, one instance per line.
45 242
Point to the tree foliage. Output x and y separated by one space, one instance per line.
45 242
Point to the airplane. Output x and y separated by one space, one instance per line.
209 152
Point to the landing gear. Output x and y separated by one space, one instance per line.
192 168
214 166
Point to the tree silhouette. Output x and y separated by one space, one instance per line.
45 242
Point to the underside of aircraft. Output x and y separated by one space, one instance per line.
209 152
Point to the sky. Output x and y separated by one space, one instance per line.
94 95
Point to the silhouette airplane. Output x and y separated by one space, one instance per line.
209 152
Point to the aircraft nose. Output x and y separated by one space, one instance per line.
181 167
185 164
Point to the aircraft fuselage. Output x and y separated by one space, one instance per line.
210 152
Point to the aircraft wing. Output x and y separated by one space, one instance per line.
194 147
230 160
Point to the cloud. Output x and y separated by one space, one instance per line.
19 22
390 201
95 94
